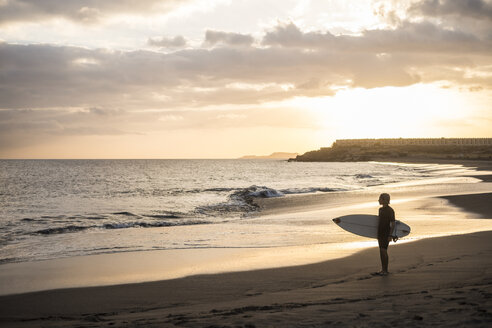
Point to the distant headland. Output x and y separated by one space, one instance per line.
276 155
400 149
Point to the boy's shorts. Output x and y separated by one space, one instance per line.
383 241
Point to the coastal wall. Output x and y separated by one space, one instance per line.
401 148
414 141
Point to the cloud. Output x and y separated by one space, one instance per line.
27 128
81 11
471 16
40 76
49 91
423 37
476 9
64 122
232 39
176 42
289 63
289 35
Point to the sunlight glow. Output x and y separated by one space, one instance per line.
414 111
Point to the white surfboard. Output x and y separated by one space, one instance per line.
367 225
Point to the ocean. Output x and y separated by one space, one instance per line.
53 209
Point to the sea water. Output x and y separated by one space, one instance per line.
61 208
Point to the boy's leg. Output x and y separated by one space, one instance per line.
383 253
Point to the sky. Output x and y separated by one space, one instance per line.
227 78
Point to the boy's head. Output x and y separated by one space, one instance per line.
384 199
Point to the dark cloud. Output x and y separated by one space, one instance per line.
471 16
233 39
423 37
164 42
477 9
47 76
83 11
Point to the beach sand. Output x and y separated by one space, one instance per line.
441 281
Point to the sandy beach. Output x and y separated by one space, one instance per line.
443 281
441 278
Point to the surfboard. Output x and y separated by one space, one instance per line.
367 225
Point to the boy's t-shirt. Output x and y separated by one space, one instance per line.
386 215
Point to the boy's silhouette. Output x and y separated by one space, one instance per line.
385 230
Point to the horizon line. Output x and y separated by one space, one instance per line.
136 158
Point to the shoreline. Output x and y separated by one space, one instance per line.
481 170
155 265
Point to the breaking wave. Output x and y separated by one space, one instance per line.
242 201
239 202
266 192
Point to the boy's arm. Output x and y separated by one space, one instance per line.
392 227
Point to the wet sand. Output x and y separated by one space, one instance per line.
442 281
480 204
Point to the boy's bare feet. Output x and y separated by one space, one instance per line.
380 273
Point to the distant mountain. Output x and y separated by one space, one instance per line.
277 155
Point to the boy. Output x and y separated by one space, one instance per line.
385 230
